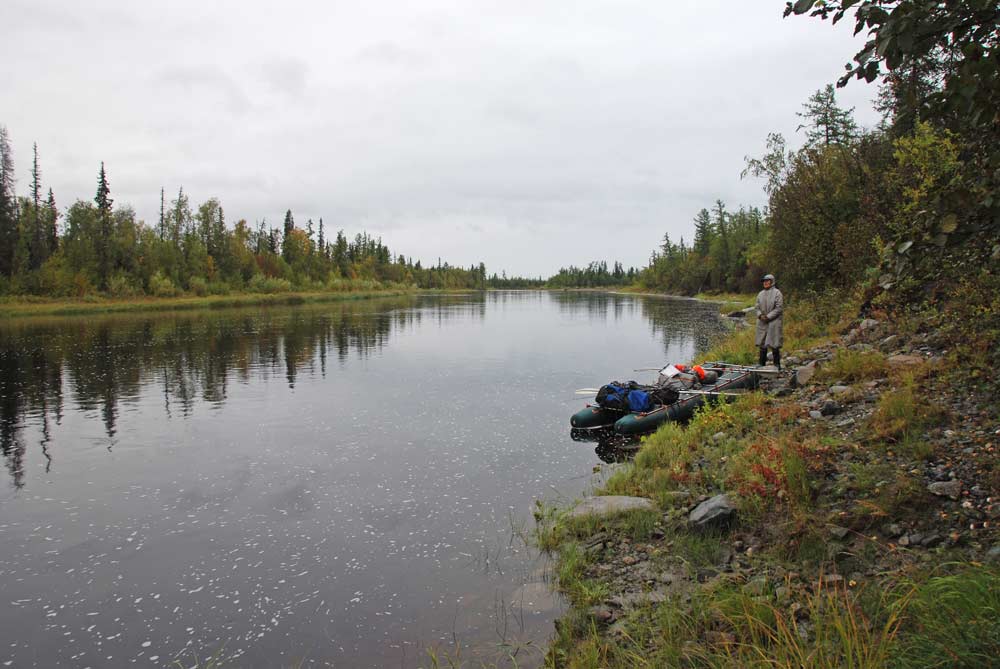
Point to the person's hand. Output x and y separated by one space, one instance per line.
762 317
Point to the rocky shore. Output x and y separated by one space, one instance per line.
894 475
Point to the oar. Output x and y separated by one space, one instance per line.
710 392
760 371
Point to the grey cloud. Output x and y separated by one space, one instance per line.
286 76
206 79
391 54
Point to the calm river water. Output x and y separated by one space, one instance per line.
333 485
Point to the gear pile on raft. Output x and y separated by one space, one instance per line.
635 409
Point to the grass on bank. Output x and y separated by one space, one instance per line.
790 479
948 620
21 307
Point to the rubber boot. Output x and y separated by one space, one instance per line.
776 354
762 360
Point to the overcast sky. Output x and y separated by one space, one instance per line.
527 135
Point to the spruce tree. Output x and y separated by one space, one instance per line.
163 218
702 232
286 239
104 226
826 123
37 238
52 222
8 206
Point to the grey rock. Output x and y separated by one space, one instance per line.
832 579
889 341
901 360
993 555
845 422
815 414
718 510
839 390
718 436
601 614
867 324
611 504
805 373
630 600
951 489
830 408
838 532
931 540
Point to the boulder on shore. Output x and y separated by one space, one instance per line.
718 510
610 504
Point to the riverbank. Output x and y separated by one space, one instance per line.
845 515
37 306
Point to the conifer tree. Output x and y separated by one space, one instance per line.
286 243
52 221
163 219
38 238
826 123
8 206
702 232
104 225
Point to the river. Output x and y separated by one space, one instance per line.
344 484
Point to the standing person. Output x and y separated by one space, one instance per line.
770 304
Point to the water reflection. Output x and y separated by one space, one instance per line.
103 363
610 447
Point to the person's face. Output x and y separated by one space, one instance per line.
767 284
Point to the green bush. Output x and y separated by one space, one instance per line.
162 286
119 285
198 286
262 284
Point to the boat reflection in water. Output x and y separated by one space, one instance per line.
611 447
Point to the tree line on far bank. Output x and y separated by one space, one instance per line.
95 247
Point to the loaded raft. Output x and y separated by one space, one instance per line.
634 409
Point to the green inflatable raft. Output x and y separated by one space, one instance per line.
735 378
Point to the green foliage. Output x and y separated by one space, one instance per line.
902 415
943 90
952 621
263 284
849 366
162 286
723 257
825 122
828 211
594 275
119 285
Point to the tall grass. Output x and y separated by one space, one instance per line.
849 366
952 621
903 415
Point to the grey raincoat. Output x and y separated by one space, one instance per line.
771 304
